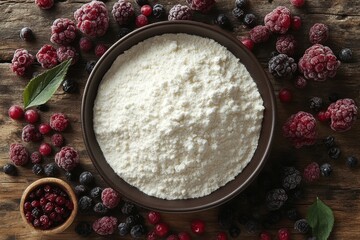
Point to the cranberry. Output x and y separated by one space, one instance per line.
221 236
59 210
100 49
154 217
31 116
265 236
161 229
322 116
45 149
47 188
184 236
43 201
39 192
16 112
248 43
297 3
60 200
146 10
69 205
29 216
172 237
151 235
53 215
36 223
283 234
141 20
44 220
27 206
285 95
296 23
198 226
35 203
49 207
44 128
51 197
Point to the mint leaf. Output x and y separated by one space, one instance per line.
40 89
321 219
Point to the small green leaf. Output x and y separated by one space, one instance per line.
321 219
40 89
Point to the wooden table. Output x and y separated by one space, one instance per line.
340 191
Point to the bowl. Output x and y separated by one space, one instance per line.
223 194
65 187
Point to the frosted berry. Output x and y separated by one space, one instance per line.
44 128
69 86
265 236
45 149
31 116
296 23
285 95
158 11
9 169
297 3
86 178
110 198
153 217
318 63
105 225
37 169
282 66
67 158
250 20
18 154
326 169
286 44
161 229
47 56
221 236
311 172
63 31
124 229
100 208
123 32
345 55
343 114
16 112
315 104
203 6
57 140
51 170
146 10
259 34
26 34
302 226
198 227
92 19
318 33
35 157
80 190
66 52
100 49
123 12
44 4
241 3
291 178
247 43
85 44
352 161
95 193
59 122
300 82
279 20
283 234
141 20
21 61
180 12
275 199
137 231
30 134
223 21
238 13
184 236
85 204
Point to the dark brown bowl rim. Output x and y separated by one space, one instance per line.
223 194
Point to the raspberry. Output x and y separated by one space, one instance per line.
198 227
300 129
158 11
44 128
85 44
44 4
100 49
59 122
63 31
26 34
66 52
286 44
318 33
110 198
345 55
247 42
296 23
180 12
221 236
275 199
15 112
259 34
45 149
302 226
57 140
161 229
18 154
67 158
31 116
291 178
282 66
154 217
311 172
285 95
318 63
105 225
141 20
279 20
47 56
21 61
123 12
184 236
342 114
297 3
265 236
92 19
30 134
203 6
146 10
283 234
300 82
35 157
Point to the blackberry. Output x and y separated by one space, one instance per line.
234 231
124 229
351 161
85 204
128 208
291 178
100 208
292 214
158 11
316 104
83 229
345 55
334 152
10 169
333 97
240 3
282 66
50 170
137 231
37 169
226 218
276 198
43 108
26 34
142 2
90 66
86 178
95 193
252 226
302 226
238 13
329 141
326 169
69 86
80 190
123 32
250 20
223 21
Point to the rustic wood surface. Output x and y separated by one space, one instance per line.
340 191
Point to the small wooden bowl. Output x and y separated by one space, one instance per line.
64 186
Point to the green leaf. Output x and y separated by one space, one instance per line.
321 219
40 89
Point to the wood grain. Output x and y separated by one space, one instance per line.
341 191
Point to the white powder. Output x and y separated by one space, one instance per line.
178 116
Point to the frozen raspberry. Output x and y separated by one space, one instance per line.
21 61
85 44
92 18
297 3
247 42
15 112
30 134
282 66
259 34
342 114
141 20
201 5
67 158
105 225
286 44
300 129
44 4
318 63
44 128
146 10
18 154
45 149
57 140
283 234
198 227
35 157
300 82
63 31
318 33
66 52
100 49
59 122
110 198
180 12
296 23
311 172
123 12
47 56
161 229
279 20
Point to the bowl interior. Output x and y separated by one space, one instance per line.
224 193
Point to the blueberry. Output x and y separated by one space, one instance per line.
128 208
100 208
316 103
70 176
222 21
85 203
90 66
351 161
69 86
326 169
80 190
250 20
37 169
133 220
252 226
292 214
240 3
238 13
137 231
329 141
142 2
302 226
158 11
10 169
26 34
95 193
124 229
43 108
50 169
83 229
334 152
86 178
345 55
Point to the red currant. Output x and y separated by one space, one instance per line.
141 20
44 128
265 236
296 23
45 149
198 226
154 217
16 112
285 95
283 234
31 116
161 229
221 236
248 43
184 236
297 3
146 10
